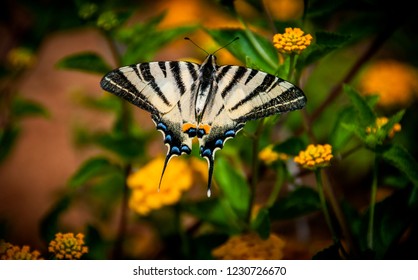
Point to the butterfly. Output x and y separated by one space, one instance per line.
207 101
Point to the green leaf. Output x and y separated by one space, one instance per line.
107 102
234 187
49 225
24 108
401 159
291 146
144 39
331 39
86 62
325 43
261 224
127 147
301 201
217 213
391 219
365 114
91 169
340 134
8 136
259 49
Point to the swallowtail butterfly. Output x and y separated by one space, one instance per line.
206 101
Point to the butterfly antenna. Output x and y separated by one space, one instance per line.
236 38
187 38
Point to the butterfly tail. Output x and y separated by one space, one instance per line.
210 170
167 160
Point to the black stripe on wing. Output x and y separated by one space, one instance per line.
116 82
150 79
290 100
263 87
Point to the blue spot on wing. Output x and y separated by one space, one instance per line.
216 140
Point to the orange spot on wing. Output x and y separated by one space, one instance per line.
187 126
205 127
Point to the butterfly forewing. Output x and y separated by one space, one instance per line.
155 86
255 94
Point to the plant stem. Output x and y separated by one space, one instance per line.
291 66
254 167
372 207
318 176
277 186
117 252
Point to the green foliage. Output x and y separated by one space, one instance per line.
325 43
8 136
90 169
234 188
250 45
135 36
301 201
291 146
401 159
86 62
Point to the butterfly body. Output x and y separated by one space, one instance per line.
206 101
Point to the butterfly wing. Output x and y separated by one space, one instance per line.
244 94
159 87
255 94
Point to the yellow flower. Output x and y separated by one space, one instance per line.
394 82
67 246
12 252
292 41
178 177
315 156
250 247
381 122
269 156
21 58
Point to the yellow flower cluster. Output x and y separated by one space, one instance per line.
292 41
269 156
381 122
12 252
178 177
250 247
394 82
315 156
21 58
67 246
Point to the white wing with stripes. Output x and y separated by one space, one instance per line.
207 101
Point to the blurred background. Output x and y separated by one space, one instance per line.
53 111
